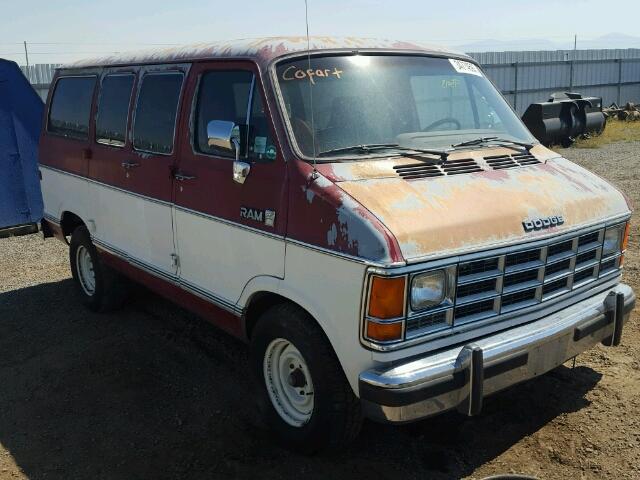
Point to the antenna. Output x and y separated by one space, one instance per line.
314 175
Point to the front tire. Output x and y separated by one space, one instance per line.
303 393
100 288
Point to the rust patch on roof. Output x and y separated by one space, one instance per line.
262 50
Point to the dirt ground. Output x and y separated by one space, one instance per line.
152 392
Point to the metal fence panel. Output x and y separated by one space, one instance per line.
529 77
554 56
629 93
543 76
588 73
39 74
503 76
630 70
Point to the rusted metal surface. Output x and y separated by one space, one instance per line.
443 216
263 50
324 215
629 112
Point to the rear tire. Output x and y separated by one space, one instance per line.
100 287
302 391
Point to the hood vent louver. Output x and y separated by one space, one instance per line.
500 162
428 170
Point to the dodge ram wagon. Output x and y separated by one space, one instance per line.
371 216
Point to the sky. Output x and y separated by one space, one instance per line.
62 31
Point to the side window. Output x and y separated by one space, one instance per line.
156 111
222 95
261 145
71 107
225 95
113 109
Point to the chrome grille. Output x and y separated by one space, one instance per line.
500 284
427 321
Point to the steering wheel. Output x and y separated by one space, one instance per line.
442 121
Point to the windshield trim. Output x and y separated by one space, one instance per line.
341 52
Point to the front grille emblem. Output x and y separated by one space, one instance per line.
531 224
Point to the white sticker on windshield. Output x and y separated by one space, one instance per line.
465 67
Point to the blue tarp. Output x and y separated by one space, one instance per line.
20 123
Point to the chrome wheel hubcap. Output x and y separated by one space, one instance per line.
84 267
288 382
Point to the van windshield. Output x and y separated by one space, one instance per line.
411 101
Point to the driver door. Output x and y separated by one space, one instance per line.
226 232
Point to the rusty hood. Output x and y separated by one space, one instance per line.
453 214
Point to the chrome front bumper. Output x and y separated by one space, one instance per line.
460 377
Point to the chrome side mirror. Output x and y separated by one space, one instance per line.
221 134
228 136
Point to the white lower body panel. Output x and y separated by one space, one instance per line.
221 257
138 226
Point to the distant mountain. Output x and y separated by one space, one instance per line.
611 40
503 46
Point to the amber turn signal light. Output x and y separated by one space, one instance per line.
386 297
625 236
384 332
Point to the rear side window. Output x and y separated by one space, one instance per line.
226 95
156 110
71 107
113 109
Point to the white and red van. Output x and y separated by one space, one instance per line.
371 216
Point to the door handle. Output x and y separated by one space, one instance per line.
129 165
181 177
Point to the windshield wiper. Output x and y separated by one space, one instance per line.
364 148
502 141
372 147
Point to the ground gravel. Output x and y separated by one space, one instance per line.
152 392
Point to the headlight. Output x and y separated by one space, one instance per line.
613 240
429 289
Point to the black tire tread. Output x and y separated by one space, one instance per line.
345 415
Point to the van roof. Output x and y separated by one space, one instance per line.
262 50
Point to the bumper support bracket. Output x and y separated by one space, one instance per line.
474 375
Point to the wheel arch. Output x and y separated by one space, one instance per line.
69 221
257 305
260 301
